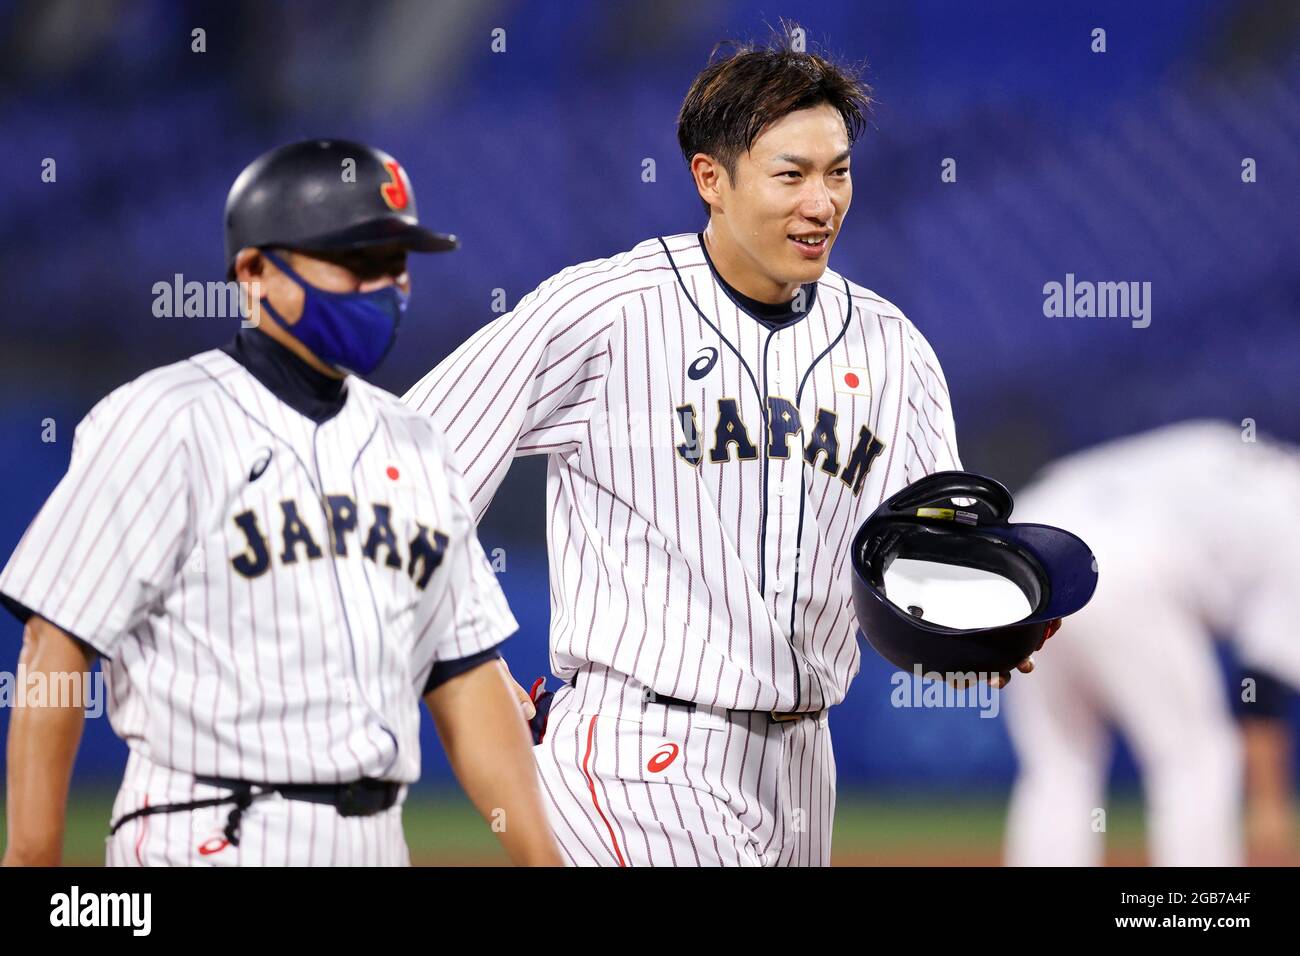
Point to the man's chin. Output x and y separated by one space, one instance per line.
802 273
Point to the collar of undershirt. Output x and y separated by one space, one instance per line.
770 315
312 394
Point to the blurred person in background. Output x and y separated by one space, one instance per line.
1196 533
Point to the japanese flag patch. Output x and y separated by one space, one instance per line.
394 472
852 380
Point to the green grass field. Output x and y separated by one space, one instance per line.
870 829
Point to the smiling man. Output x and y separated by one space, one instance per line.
720 411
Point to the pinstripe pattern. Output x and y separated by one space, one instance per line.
740 791
725 583
273 831
304 667
722 582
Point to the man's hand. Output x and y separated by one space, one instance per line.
1027 665
521 695
535 704
477 716
1270 834
43 743
1270 814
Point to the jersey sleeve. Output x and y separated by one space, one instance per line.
108 542
466 614
1264 631
527 383
931 433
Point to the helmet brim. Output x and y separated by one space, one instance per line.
390 230
1066 560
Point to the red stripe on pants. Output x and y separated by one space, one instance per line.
591 785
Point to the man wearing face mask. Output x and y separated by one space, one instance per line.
275 561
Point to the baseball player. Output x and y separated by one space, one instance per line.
719 412
274 561
1196 534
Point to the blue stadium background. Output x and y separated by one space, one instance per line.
1123 165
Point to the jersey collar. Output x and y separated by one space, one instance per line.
312 394
770 316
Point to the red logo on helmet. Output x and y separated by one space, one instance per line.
660 761
395 193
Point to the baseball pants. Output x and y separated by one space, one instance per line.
273 831
1138 662
633 782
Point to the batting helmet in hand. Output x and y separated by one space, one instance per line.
953 527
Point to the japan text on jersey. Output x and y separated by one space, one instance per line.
706 470
269 593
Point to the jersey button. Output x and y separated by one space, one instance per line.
778 587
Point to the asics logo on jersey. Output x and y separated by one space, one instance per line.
260 465
423 553
823 450
662 758
703 365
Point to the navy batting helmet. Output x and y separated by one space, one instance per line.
325 194
942 581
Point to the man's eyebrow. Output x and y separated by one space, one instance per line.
805 162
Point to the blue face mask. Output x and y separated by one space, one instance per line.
352 331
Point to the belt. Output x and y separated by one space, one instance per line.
360 798
775 716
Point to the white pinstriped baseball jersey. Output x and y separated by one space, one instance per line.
271 593
695 455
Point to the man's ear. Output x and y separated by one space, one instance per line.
249 265
709 176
